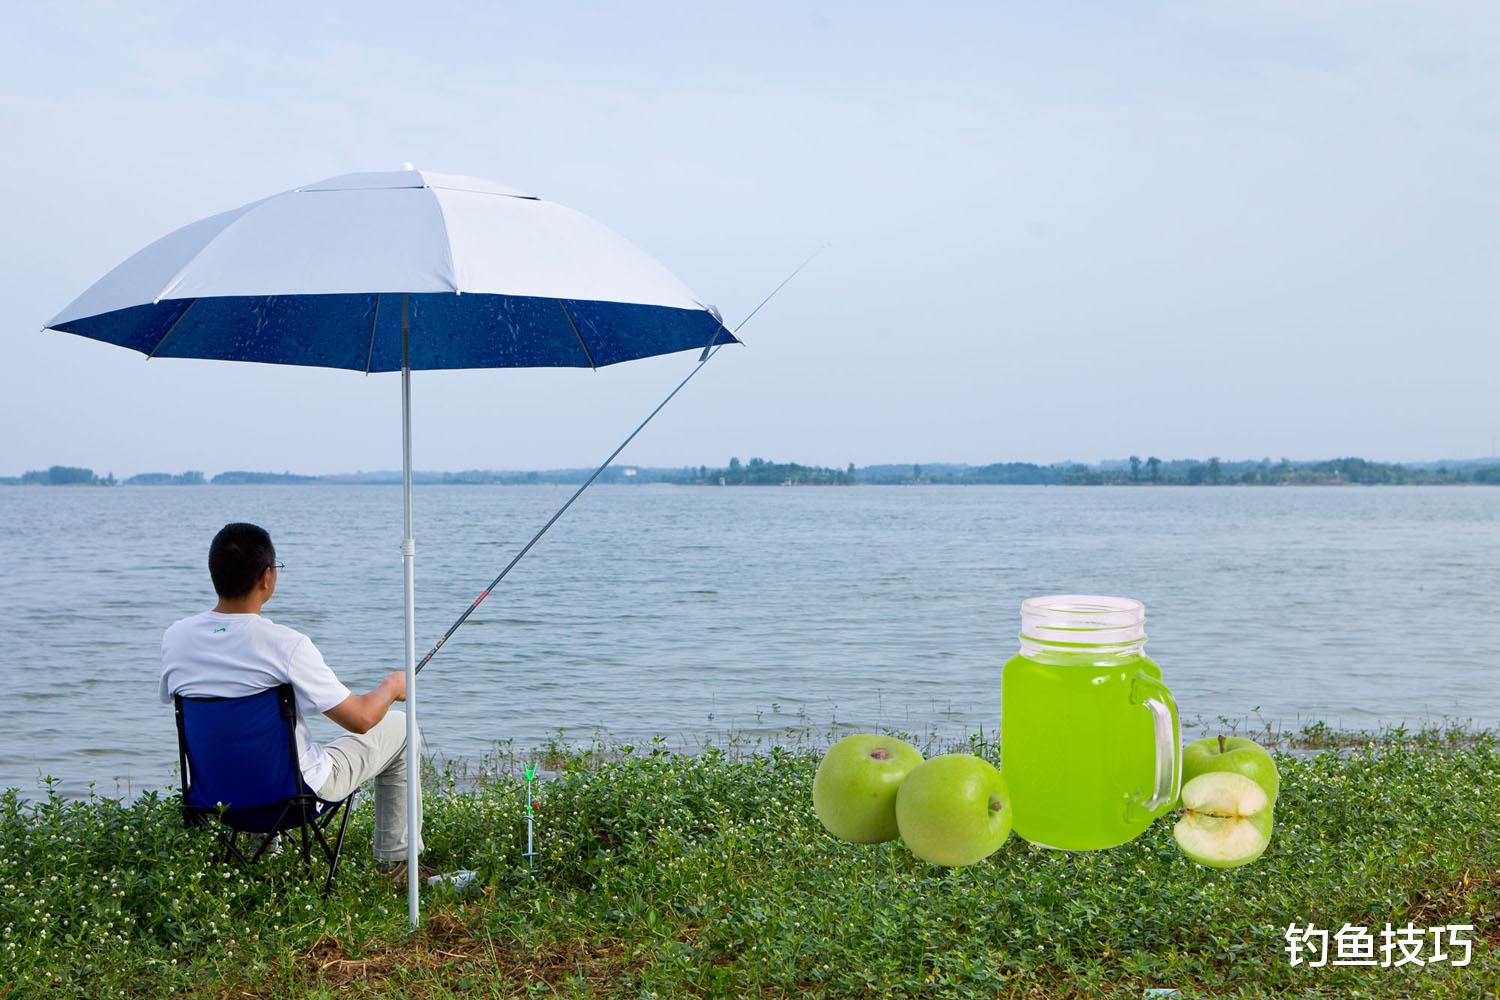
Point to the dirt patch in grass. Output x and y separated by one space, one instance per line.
1472 898
443 953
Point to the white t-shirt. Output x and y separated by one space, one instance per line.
215 655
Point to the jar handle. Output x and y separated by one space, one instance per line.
1156 696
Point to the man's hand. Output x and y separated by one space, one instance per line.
359 713
396 681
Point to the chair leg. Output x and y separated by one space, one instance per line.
313 828
230 846
320 829
338 847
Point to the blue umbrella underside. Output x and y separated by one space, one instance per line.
362 332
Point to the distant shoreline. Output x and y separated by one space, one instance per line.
556 482
759 472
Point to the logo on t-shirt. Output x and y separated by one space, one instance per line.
221 628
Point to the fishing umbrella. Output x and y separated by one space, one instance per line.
398 271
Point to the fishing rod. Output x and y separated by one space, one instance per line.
709 350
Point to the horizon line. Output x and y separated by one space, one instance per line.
1102 464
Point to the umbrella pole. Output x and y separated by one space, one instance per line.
408 560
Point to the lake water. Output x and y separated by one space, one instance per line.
688 612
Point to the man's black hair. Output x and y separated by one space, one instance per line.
240 553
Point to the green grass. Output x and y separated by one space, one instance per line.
707 875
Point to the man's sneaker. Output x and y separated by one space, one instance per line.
397 870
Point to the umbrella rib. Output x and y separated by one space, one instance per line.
164 336
447 239
239 213
370 357
577 333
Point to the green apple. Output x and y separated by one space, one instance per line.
1226 820
854 792
1232 753
954 810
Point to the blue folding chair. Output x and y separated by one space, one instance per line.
239 767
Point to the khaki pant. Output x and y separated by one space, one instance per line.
378 754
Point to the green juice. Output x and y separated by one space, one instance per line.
1079 746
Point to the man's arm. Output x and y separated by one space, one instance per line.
359 713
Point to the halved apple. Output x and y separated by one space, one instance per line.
1226 820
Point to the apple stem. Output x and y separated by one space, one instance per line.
1222 747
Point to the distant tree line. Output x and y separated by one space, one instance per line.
1153 471
1135 471
259 478
759 472
59 475
1331 472
190 478
70 475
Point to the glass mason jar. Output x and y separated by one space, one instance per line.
1089 736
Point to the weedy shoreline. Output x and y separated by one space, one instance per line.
706 874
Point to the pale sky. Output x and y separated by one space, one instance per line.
1058 230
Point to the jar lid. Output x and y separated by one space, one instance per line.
1083 620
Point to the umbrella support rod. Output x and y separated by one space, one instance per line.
708 352
408 561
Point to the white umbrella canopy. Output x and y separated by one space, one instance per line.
395 271
295 279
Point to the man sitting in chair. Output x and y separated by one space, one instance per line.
232 651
